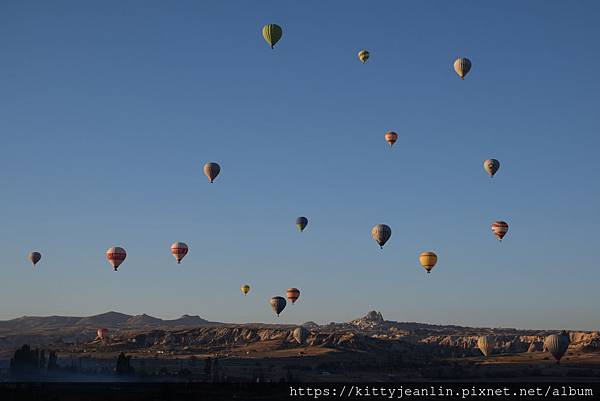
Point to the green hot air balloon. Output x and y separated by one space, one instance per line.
272 34
300 335
278 304
557 344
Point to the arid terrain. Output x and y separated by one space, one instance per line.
368 349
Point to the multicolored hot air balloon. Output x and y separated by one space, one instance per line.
499 228
211 170
116 255
179 250
491 166
381 233
486 345
391 137
272 33
34 257
557 344
462 66
293 294
428 260
363 56
300 334
278 304
301 223
245 289
103 334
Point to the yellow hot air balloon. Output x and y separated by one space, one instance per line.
428 260
245 289
272 33
363 56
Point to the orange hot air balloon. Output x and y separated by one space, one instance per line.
391 137
428 260
116 255
179 250
499 228
293 294
103 334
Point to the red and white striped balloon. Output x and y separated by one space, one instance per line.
499 228
293 294
116 255
179 250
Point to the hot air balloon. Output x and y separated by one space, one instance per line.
462 66
381 233
103 334
278 304
557 344
34 257
499 228
428 260
293 294
116 255
486 345
211 170
300 334
179 250
245 289
301 223
363 56
272 33
391 137
491 166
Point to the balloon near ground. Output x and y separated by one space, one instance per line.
102 334
557 345
293 294
179 250
272 34
491 166
391 137
278 304
486 345
428 260
300 334
381 233
115 256
500 228
301 223
363 56
211 170
462 66
245 289
34 257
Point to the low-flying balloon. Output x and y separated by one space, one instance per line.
462 66
363 56
381 233
557 344
245 289
491 166
34 257
211 170
428 260
499 228
486 345
116 255
272 33
103 334
293 294
301 223
391 137
179 250
278 304
300 334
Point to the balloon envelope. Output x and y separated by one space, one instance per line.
462 66
391 137
301 223
293 294
499 228
179 250
381 233
428 260
116 255
211 170
300 334
557 345
272 33
486 345
34 257
363 56
245 289
491 166
102 334
278 304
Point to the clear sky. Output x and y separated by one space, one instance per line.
108 111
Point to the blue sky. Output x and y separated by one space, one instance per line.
109 110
